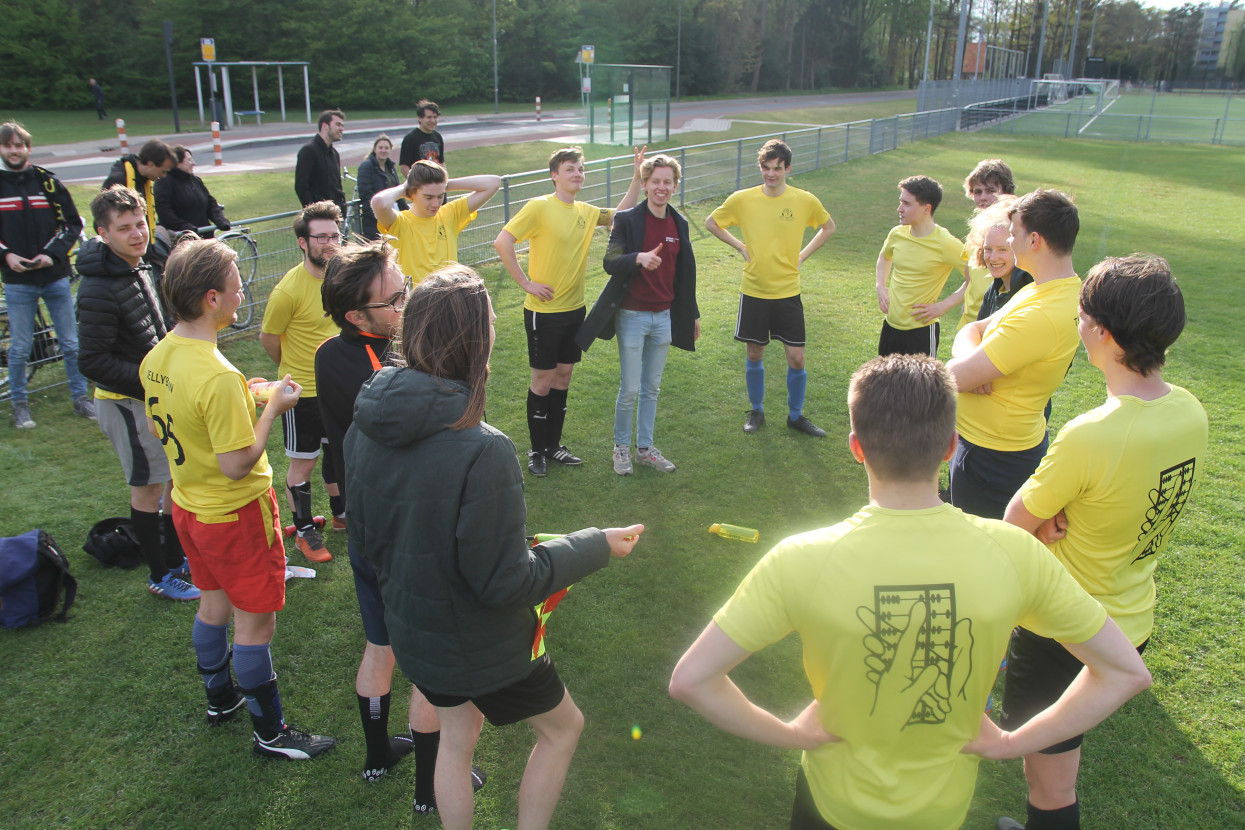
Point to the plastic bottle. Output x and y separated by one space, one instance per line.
742 534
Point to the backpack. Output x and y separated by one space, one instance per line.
33 576
114 543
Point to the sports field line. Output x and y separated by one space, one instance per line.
1095 118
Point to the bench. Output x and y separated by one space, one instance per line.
257 113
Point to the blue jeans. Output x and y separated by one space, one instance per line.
643 340
22 301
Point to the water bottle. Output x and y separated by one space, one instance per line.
742 534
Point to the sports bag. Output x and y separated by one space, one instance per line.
114 543
34 574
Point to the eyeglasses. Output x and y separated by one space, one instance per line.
397 302
326 237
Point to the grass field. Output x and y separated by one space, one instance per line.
103 716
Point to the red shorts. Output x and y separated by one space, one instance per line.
241 553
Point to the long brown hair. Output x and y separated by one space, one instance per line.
446 334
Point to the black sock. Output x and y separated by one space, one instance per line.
1064 818
301 496
337 504
147 529
426 744
538 420
374 712
557 417
171 545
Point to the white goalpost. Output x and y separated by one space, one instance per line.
1093 95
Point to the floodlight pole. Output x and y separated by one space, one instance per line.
1041 41
496 109
929 37
168 56
1076 28
678 57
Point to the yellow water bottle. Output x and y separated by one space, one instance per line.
742 534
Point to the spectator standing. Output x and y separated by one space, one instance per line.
183 202
140 172
376 173
318 169
423 142
97 92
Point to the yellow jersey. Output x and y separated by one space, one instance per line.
920 266
773 229
295 311
425 244
560 236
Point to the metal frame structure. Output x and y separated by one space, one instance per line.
228 93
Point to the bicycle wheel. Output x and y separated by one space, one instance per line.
248 253
246 312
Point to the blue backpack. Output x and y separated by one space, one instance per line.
33 576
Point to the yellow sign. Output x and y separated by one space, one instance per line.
587 54
208 45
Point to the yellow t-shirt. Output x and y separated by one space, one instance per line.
1031 341
942 586
773 229
296 312
202 406
919 270
1122 472
558 257
425 244
979 282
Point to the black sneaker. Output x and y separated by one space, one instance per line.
294 744
756 420
226 704
536 463
804 425
564 456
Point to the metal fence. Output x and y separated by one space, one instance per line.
1110 126
710 171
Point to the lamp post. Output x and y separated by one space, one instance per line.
495 106
678 57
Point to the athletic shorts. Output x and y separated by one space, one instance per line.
371 605
551 337
1039 670
142 457
240 553
983 481
757 320
804 813
923 340
303 430
538 693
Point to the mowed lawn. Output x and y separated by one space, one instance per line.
103 716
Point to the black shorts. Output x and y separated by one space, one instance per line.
538 693
371 604
908 341
303 431
757 320
804 813
983 481
1039 670
551 337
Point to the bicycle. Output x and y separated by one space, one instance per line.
353 222
243 244
44 350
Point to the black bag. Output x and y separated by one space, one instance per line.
33 576
114 543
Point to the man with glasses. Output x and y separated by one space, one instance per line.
294 327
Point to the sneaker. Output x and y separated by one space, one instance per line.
311 543
399 747
622 459
85 407
652 457
294 744
804 425
563 456
1006 823
21 416
182 571
173 588
339 523
756 420
536 463
219 711
296 572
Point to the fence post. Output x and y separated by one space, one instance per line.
682 175
217 158
1067 124
125 145
608 183
895 143
505 196
847 143
739 161
817 166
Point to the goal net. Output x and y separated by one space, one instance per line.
1083 94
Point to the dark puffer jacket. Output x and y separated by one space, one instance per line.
183 203
119 319
440 514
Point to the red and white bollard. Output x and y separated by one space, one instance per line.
125 145
217 158
537 107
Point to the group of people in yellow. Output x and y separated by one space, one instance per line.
905 608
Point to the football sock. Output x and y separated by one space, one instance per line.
337 504
426 744
301 496
557 417
147 529
170 544
1064 818
212 649
797 382
374 712
537 419
754 378
253 665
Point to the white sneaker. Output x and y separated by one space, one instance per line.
652 457
622 459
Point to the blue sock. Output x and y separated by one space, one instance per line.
212 650
797 382
253 665
754 377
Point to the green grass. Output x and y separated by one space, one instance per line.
1176 118
103 715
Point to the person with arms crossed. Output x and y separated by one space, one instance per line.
772 219
318 167
376 172
423 142
650 300
39 225
427 232
200 408
1008 365
898 609
294 326
990 180
120 320
1105 499
916 259
560 229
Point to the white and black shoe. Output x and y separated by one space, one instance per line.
293 744
563 456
